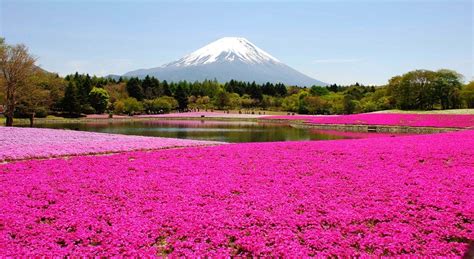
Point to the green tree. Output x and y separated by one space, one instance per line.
16 66
166 89
414 90
447 87
119 107
256 91
99 99
84 87
314 104
162 104
318 90
234 101
222 100
350 104
291 103
71 104
467 94
132 106
182 98
134 88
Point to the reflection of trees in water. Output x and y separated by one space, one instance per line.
229 131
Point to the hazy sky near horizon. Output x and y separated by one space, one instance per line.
333 41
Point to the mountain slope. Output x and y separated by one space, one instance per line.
225 59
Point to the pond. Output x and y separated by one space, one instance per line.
227 131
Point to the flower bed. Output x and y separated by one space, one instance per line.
201 114
357 135
379 196
23 143
389 119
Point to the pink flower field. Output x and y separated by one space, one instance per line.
358 135
389 119
408 195
23 143
217 114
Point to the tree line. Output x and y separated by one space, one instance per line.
28 91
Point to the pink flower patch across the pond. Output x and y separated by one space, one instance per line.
202 115
357 135
24 143
106 116
389 119
380 196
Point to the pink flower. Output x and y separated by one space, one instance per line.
377 196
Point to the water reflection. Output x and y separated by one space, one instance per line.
228 131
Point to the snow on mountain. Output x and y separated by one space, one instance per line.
226 49
225 59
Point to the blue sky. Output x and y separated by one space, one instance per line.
333 41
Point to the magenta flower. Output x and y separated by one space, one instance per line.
408 195
390 119
23 143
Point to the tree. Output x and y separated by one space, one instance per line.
71 103
280 89
84 87
349 104
43 92
256 91
99 99
147 86
318 90
132 106
291 103
222 100
166 89
203 102
119 107
413 90
54 84
314 104
16 66
162 104
425 89
181 97
134 88
447 84
467 94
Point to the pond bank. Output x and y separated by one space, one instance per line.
373 128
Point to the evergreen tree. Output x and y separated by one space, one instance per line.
255 91
147 87
84 88
134 88
166 89
156 88
181 97
281 89
71 103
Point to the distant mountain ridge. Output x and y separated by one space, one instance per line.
225 59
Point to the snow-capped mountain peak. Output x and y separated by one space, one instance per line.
226 59
227 49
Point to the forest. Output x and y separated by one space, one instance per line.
78 94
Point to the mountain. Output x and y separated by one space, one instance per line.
225 59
